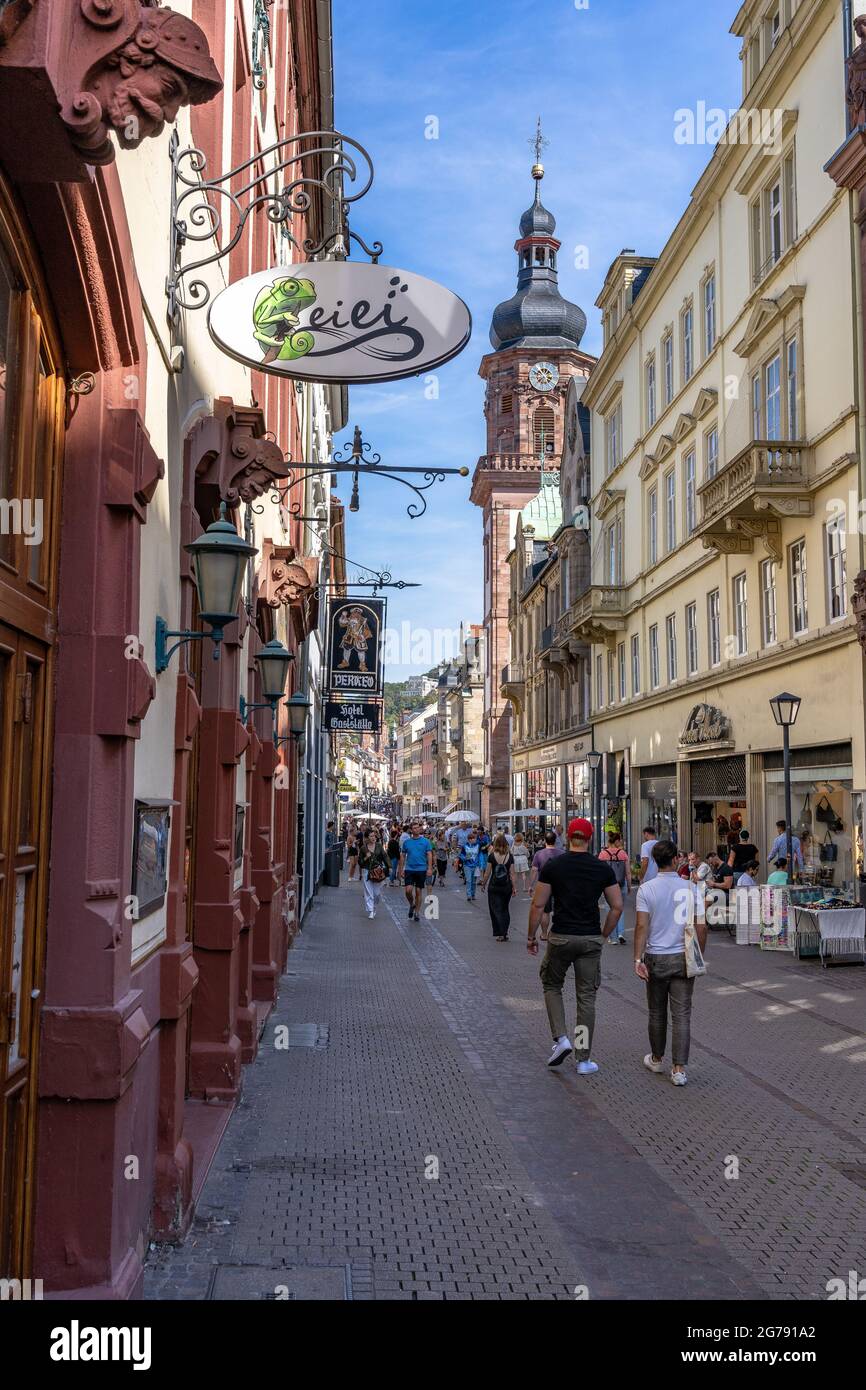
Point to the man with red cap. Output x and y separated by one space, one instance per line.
575 881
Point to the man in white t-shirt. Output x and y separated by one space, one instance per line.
666 905
648 866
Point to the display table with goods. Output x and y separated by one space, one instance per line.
833 928
778 907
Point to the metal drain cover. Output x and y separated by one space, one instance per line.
308 1035
301 1283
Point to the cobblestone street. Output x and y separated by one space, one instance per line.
411 1043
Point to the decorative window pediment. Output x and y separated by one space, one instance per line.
666 445
609 400
707 400
684 426
648 467
765 315
608 499
777 133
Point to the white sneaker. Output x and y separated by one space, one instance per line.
371 916
587 1068
561 1049
679 1078
651 1065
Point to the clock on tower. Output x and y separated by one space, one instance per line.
544 376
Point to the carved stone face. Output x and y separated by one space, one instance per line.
140 106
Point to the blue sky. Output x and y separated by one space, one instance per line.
606 81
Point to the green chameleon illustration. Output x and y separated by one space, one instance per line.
275 319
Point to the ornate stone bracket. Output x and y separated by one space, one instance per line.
125 689
764 528
133 467
79 70
232 455
291 581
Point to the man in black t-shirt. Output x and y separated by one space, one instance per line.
742 854
575 881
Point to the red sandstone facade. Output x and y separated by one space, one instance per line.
118 1077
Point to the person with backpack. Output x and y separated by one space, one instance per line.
614 855
669 913
500 882
374 866
575 880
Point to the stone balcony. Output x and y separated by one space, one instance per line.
512 685
768 480
597 616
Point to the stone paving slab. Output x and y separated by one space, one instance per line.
422 1147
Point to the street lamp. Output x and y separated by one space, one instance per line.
593 761
219 559
298 707
273 662
785 709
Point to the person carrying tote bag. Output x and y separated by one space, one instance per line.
669 940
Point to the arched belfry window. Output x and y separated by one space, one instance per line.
544 431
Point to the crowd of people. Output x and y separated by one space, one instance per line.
570 887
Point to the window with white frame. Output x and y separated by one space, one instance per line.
635 664
793 376
691 638
774 218
614 552
714 626
690 469
773 398
756 406
709 314
668 358
599 683
769 619
688 332
621 670
653 529
611 689
651 392
741 616
654 656
671 643
797 586
834 549
613 439
711 447
670 510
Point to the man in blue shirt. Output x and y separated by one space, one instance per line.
779 847
416 866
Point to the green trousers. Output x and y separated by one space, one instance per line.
584 954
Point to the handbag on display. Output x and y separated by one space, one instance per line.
829 850
805 826
824 812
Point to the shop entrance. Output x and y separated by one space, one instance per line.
719 808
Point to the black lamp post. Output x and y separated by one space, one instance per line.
219 559
273 662
298 707
593 762
785 709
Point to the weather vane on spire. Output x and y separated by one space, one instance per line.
539 144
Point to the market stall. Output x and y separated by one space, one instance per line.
832 929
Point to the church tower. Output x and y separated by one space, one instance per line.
536 337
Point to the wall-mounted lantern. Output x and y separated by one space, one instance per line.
273 662
219 559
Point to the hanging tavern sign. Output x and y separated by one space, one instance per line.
355 628
706 724
357 717
339 321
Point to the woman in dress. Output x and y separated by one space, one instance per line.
520 851
500 882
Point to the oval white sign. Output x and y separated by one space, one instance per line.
338 321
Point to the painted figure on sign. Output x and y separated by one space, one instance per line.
275 319
356 635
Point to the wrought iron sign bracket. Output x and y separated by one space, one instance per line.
282 180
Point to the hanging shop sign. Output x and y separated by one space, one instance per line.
355 631
706 724
339 321
360 717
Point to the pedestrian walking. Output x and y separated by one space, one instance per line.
352 850
483 854
500 883
576 881
416 866
670 918
548 851
469 857
779 847
440 855
614 855
520 850
392 850
374 866
648 866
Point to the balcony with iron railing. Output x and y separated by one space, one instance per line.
767 480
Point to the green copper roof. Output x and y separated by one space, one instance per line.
544 512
